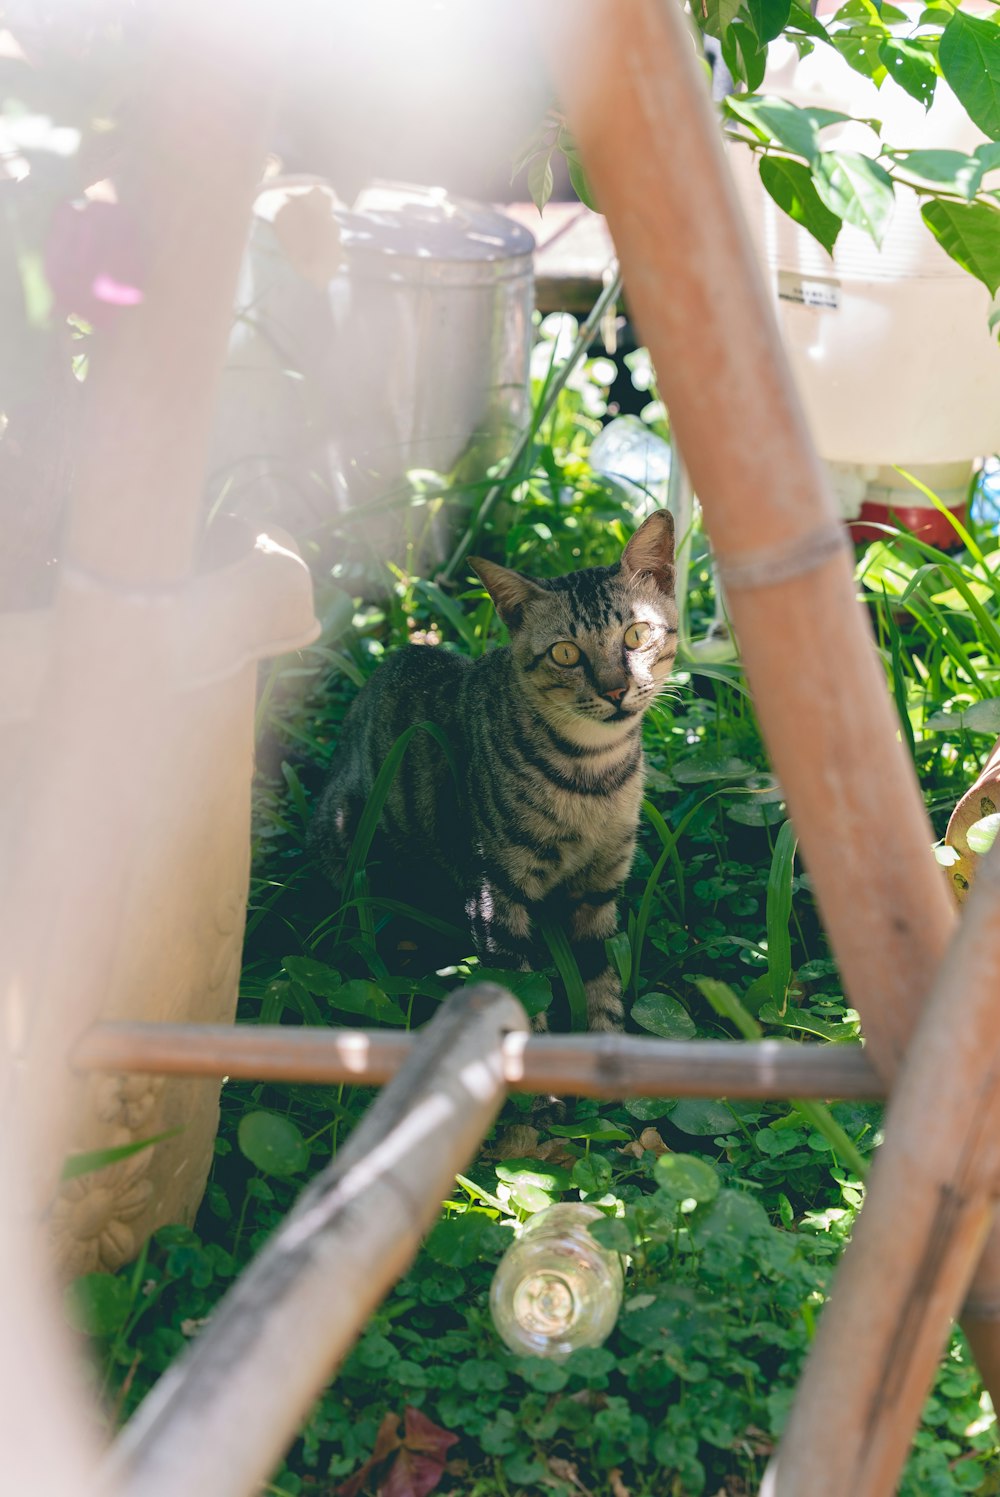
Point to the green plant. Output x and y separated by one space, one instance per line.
733 1213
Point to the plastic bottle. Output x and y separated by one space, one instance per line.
556 1289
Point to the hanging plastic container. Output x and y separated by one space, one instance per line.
370 342
891 348
556 1289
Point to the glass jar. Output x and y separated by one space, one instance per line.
556 1288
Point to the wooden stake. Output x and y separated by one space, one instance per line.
220 1418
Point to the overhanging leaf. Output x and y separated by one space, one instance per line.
791 186
716 16
540 179
856 188
912 66
743 54
970 234
786 124
768 18
969 55
859 47
951 169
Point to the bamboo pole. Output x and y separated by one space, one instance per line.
639 108
932 1192
103 725
567 1065
220 1418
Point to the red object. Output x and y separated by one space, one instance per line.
93 262
925 522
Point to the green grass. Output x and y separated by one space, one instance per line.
734 1232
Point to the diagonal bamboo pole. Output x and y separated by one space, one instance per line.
932 1194
220 1418
638 105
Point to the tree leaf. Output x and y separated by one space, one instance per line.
660 1014
540 179
272 1143
791 186
856 188
912 66
859 47
578 177
801 19
716 16
969 56
970 234
768 18
951 169
743 54
785 123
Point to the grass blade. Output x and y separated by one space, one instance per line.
779 912
565 964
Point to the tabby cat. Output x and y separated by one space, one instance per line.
546 734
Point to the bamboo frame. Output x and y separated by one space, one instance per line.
220 1418
640 111
578 1065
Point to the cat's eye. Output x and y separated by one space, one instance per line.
636 635
564 652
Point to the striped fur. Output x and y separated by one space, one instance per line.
543 823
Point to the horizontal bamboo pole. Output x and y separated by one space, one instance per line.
569 1065
219 1419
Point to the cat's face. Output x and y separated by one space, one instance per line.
595 647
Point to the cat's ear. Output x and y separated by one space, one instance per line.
650 552
509 590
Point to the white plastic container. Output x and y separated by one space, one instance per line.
890 348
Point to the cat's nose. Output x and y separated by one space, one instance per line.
615 694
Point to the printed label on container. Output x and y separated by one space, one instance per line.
808 291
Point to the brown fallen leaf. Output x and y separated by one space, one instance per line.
566 1471
519 1141
652 1142
420 1457
618 1487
